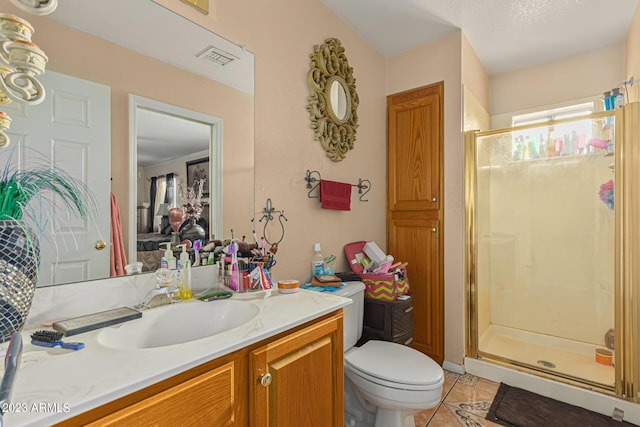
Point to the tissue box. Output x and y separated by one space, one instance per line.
374 252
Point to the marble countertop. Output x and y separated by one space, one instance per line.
56 384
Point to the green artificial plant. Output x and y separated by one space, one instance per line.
38 182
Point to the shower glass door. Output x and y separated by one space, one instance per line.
545 247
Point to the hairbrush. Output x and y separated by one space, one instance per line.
52 339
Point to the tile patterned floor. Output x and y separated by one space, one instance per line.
465 402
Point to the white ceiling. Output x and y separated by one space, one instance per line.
152 30
163 137
506 34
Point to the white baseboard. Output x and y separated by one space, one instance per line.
588 399
453 367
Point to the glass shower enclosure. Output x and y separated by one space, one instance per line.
541 219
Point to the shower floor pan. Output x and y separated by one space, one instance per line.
554 355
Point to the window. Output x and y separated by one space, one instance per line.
571 138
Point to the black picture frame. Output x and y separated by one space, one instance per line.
198 169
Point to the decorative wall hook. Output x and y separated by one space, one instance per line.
268 215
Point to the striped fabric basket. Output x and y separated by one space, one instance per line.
384 286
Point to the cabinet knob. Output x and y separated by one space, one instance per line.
434 230
434 199
265 379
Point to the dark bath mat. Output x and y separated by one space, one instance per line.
515 407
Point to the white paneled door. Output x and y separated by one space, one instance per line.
71 128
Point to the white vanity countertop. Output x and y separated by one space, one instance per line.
56 384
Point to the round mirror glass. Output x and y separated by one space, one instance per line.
338 98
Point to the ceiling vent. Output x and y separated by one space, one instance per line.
216 56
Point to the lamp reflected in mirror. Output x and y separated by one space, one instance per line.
163 213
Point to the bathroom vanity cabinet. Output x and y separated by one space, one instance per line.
291 379
298 379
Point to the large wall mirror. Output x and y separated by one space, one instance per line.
160 94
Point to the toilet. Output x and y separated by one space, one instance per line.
385 382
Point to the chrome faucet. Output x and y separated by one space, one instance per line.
158 296
164 291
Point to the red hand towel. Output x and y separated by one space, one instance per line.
335 195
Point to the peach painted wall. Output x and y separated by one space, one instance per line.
475 81
80 55
632 49
568 79
474 76
282 34
430 63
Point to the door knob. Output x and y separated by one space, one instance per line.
265 379
100 245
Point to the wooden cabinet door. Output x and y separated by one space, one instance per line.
414 149
415 210
214 393
420 247
297 381
206 400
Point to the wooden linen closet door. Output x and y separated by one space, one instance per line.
415 211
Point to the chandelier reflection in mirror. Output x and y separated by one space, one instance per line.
21 60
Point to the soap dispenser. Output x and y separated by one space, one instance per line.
184 275
168 260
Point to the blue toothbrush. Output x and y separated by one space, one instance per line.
52 339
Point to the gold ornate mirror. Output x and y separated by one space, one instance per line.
333 99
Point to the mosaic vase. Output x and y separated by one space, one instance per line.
19 261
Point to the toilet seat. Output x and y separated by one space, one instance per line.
395 366
389 384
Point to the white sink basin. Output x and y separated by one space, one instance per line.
179 323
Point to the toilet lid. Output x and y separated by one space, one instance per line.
394 362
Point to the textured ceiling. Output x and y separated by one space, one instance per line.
506 34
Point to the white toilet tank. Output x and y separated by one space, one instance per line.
353 313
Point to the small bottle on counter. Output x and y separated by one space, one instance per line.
317 261
184 275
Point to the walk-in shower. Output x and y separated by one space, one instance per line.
544 250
